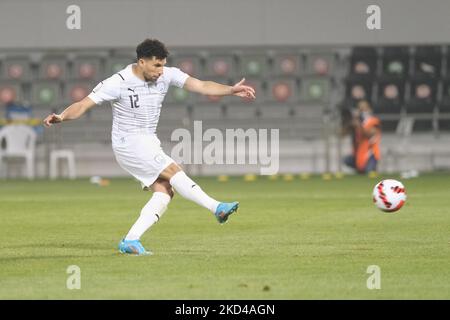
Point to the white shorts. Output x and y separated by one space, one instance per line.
142 156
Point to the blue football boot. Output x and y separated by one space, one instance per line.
224 209
133 247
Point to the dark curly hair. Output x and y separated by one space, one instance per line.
151 48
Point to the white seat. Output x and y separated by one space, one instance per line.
63 154
18 141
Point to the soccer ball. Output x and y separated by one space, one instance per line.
389 195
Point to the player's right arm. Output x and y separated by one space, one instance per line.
72 112
107 90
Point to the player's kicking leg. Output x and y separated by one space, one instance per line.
188 189
150 214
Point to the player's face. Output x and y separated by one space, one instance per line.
152 68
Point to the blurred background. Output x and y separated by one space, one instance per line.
311 63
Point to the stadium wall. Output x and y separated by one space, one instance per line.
113 23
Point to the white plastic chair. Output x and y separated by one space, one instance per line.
18 141
62 154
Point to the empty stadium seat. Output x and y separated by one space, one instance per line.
315 89
364 62
47 93
87 68
10 91
16 68
358 88
396 61
191 64
390 95
428 61
423 91
282 90
220 66
76 90
53 67
320 63
253 64
288 64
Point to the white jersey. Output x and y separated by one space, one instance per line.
136 104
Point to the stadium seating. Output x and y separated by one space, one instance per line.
87 67
75 90
220 66
395 62
47 93
363 62
189 63
253 65
282 90
423 93
428 61
16 68
315 89
320 63
399 81
358 88
53 67
10 91
390 94
288 64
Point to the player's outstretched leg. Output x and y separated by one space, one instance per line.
150 214
188 189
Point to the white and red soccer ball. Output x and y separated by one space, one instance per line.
389 195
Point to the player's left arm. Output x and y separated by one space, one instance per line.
211 88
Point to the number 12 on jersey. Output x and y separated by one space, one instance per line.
134 99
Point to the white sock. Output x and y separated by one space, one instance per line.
150 214
188 189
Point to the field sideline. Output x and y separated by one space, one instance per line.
301 239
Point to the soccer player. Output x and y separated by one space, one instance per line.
136 94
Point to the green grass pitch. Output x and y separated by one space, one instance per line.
301 239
